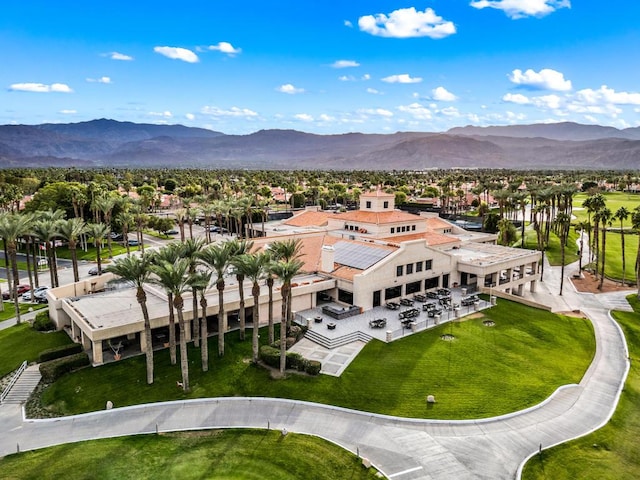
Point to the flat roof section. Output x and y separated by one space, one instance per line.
485 254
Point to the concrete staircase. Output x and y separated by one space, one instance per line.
332 343
24 386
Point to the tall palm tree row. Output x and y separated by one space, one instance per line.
239 248
12 227
622 214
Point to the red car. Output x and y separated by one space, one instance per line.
21 289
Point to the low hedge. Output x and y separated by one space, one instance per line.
59 352
54 369
42 322
295 361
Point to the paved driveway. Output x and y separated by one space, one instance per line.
401 448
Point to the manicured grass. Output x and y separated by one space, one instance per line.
10 309
21 342
613 259
21 265
614 200
553 251
90 254
612 452
484 372
228 454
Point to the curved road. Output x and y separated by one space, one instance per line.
401 448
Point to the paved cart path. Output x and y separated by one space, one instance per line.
401 448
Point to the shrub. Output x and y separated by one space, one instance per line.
295 361
270 356
42 322
54 369
313 367
59 352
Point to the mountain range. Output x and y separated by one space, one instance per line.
101 143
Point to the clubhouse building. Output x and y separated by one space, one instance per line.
360 259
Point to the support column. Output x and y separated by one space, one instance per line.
97 352
520 289
534 286
75 333
86 342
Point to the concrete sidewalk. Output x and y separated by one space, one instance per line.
401 448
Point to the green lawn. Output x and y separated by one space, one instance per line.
21 342
10 309
612 452
21 265
227 454
553 251
90 254
613 259
614 201
482 373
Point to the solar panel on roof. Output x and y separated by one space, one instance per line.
358 256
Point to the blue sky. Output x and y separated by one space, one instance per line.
322 66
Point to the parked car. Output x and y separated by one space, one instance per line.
21 289
38 294
93 271
172 232
115 236
133 243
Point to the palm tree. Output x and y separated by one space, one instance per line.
635 223
12 227
105 204
238 248
189 250
169 254
70 230
46 229
269 271
286 250
200 282
622 214
175 279
98 231
126 220
584 226
563 223
253 266
217 257
604 217
136 270
285 270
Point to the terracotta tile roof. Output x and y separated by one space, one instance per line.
310 251
378 218
346 273
431 238
308 219
434 223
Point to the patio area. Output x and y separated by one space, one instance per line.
327 335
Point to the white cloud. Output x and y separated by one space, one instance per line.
402 78
450 112
516 98
189 116
417 111
232 112
523 8
326 118
547 101
545 79
345 64
348 23
165 114
381 112
177 53
441 94
305 117
99 80
119 56
373 91
366 76
41 87
225 47
290 89
405 23
608 95
68 112
347 78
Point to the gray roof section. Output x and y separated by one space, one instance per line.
357 255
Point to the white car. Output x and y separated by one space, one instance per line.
38 294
